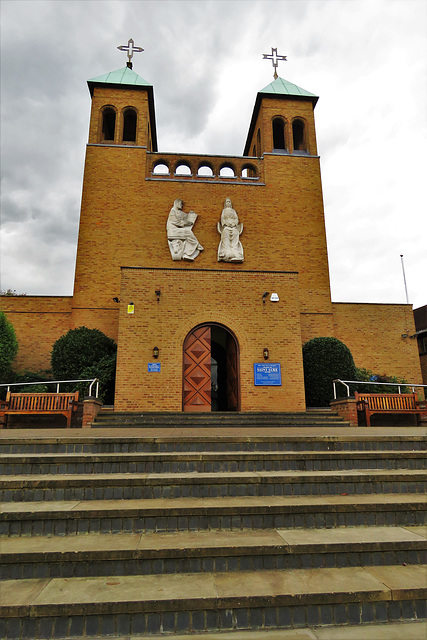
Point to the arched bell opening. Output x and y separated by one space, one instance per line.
211 369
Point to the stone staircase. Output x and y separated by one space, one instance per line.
152 525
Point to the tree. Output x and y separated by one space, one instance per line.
325 360
8 347
85 353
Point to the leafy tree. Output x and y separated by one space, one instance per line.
325 360
8 347
85 353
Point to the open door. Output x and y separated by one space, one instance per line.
211 370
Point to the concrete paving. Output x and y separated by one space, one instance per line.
397 631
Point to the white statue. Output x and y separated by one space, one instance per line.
230 248
183 244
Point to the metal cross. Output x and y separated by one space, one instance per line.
274 57
131 49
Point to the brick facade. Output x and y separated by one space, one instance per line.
123 252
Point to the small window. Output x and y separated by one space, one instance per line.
129 126
227 172
205 171
249 171
108 124
298 135
161 169
258 143
279 134
183 170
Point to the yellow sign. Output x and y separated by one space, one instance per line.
131 308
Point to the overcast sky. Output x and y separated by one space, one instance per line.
365 59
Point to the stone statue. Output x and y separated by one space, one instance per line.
183 244
230 248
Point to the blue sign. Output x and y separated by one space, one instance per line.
154 367
267 374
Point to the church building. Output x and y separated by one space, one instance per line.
210 272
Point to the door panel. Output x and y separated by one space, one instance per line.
232 375
197 370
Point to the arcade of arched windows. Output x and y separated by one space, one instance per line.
196 168
118 128
290 136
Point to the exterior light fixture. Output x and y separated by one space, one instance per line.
156 352
264 297
266 353
158 294
116 300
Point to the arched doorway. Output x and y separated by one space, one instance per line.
210 369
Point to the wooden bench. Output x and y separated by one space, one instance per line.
372 403
38 404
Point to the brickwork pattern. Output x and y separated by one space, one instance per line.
367 328
38 322
190 298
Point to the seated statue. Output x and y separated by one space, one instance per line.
230 248
183 244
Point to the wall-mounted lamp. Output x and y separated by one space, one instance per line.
158 294
403 335
266 353
116 300
156 352
264 297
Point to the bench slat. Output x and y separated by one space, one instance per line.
41 403
386 403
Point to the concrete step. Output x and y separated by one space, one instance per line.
135 486
218 419
201 602
207 462
207 551
184 440
416 630
200 514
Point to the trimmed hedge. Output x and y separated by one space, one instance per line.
86 353
8 347
325 359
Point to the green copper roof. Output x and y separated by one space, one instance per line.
282 87
123 76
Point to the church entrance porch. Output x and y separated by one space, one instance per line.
210 369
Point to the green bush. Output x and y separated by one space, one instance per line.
85 353
369 376
325 359
8 347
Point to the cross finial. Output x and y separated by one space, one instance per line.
274 57
131 49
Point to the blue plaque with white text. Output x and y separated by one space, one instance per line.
153 367
267 374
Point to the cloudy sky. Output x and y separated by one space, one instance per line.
366 59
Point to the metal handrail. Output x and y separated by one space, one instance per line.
57 382
386 384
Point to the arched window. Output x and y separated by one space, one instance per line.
205 171
279 134
183 170
227 171
129 125
298 136
258 143
108 124
249 171
160 169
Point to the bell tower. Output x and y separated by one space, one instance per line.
122 131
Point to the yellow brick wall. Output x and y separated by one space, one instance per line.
192 297
38 322
373 333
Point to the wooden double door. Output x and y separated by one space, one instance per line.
211 370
